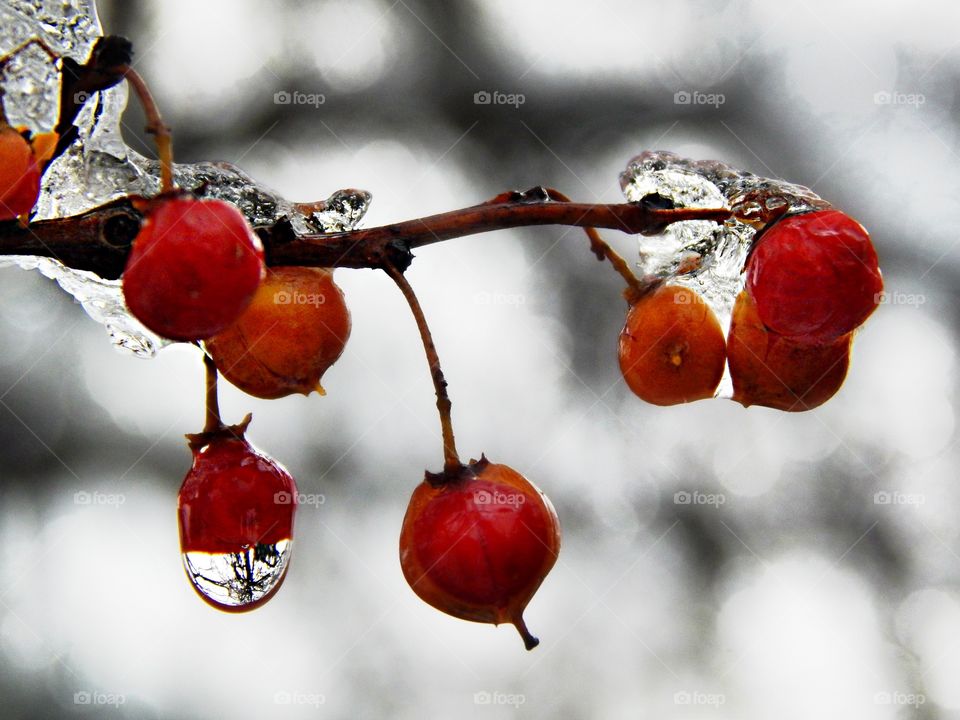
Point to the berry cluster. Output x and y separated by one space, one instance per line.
811 280
478 538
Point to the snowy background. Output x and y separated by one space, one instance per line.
815 572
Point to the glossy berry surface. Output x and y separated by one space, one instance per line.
194 268
477 547
778 372
294 329
236 513
672 347
814 276
19 174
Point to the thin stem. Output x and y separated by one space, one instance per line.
213 423
155 126
601 248
451 460
100 239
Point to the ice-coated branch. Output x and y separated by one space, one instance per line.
99 240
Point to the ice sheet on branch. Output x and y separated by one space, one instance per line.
99 167
702 255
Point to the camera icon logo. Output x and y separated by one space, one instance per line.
482 698
283 498
82 698
682 498
282 98
482 497
882 98
81 497
682 97
482 97
282 298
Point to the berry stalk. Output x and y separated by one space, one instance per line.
213 422
155 126
451 459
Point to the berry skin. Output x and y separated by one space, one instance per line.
778 372
478 546
671 347
193 269
236 512
814 276
19 174
294 329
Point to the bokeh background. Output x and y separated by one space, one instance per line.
718 562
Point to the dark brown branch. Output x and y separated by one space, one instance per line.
99 240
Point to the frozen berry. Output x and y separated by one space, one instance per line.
814 276
236 509
779 372
672 347
194 267
19 174
478 545
293 331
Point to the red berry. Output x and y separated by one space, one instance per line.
671 347
814 276
19 175
780 372
193 269
236 508
294 330
477 546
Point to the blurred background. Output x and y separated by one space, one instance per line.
718 562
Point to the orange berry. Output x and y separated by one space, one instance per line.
19 174
294 329
779 372
671 347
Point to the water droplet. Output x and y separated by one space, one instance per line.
236 512
242 580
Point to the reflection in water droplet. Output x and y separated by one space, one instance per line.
238 581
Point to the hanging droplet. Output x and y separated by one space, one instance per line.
236 510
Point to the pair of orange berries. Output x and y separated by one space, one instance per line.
812 279
196 272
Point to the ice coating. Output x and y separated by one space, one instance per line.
235 581
705 256
98 167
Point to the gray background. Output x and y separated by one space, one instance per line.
796 592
